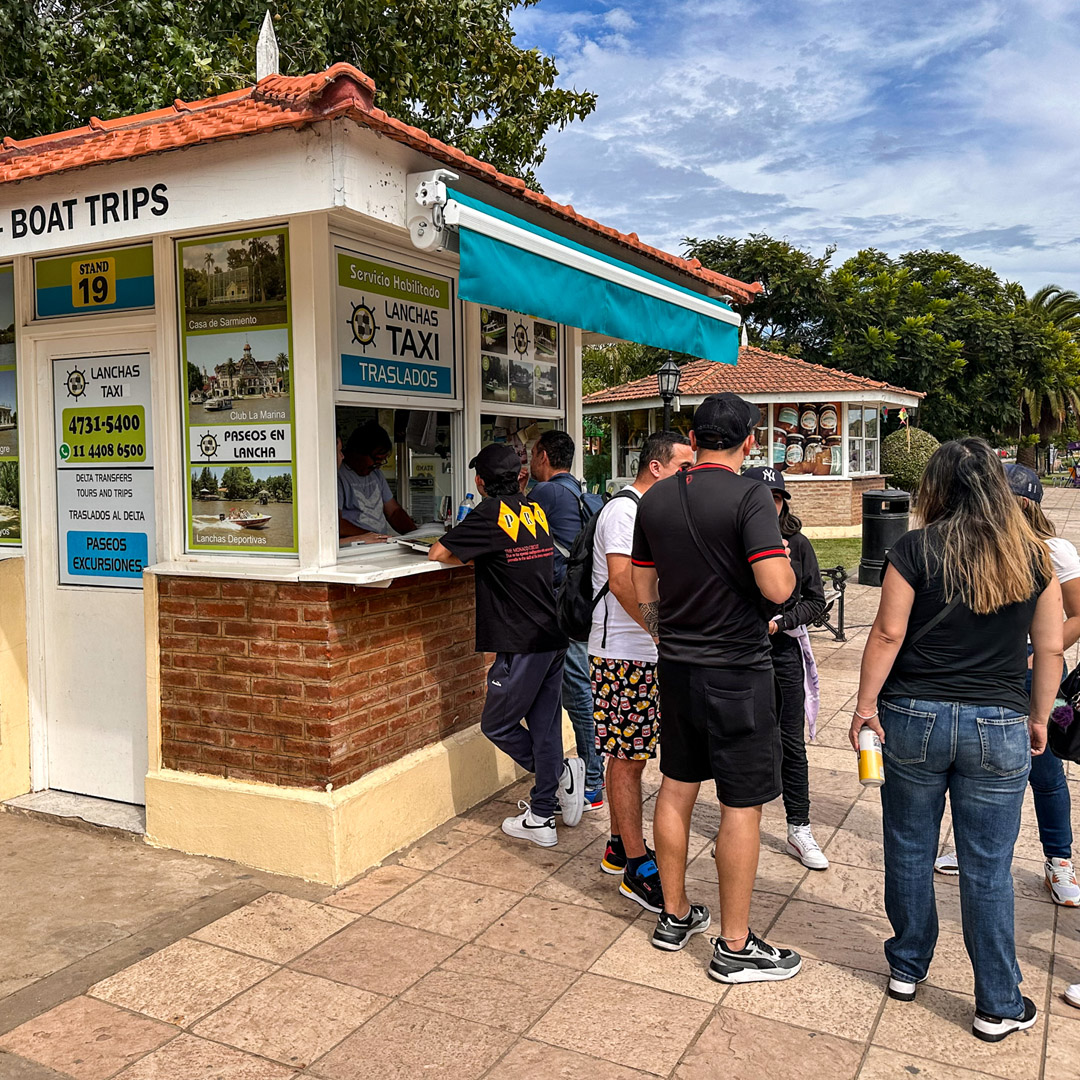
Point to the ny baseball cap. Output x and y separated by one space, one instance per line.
1024 481
723 421
499 461
772 478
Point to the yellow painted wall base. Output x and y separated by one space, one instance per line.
330 836
14 702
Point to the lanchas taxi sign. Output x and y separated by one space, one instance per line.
395 328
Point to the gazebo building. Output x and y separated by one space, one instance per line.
820 426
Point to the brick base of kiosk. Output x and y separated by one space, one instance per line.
831 502
314 684
314 728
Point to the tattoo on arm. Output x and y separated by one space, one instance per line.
650 613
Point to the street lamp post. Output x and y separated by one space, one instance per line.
667 379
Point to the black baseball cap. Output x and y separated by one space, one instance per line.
723 421
499 461
772 478
1024 481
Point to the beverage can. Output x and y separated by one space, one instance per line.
871 765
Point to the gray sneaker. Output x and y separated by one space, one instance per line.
756 961
672 934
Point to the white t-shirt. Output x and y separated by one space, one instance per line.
1064 557
361 499
626 640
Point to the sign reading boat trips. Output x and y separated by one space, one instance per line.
10 515
395 327
94 282
104 470
236 343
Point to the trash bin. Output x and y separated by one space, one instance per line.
884 520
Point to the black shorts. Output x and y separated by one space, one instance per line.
721 724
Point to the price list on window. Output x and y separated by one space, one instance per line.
104 470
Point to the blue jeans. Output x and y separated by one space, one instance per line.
981 756
1053 808
578 702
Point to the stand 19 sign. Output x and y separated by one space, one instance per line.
94 282
104 470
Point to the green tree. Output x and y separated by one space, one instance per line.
9 484
280 487
788 316
283 370
1054 304
238 482
452 69
194 377
621 362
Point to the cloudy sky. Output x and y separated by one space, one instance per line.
899 124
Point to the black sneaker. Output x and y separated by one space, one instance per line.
995 1028
672 934
614 860
756 961
644 887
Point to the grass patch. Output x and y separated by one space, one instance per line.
843 551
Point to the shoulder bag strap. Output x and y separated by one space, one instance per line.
706 554
927 627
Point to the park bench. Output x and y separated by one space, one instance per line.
835 583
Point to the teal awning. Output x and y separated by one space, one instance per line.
511 263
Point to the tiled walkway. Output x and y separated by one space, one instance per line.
471 956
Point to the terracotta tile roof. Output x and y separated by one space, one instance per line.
280 101
757 372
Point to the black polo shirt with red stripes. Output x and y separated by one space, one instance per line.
704 620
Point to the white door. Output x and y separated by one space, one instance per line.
95 468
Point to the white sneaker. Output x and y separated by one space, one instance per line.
1061 881
801 844
530 827
1072 995
572 790
946 864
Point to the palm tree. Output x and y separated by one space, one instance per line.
1058 306
283 370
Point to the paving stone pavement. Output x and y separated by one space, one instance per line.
469 955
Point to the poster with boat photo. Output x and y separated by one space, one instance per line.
494 378
521 382
519 360
493 330
236 374
245 507
242 376
10 513
546 337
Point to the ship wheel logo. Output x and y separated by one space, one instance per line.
208 446
521 339
363 325
76 383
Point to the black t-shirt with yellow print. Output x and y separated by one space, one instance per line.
508 540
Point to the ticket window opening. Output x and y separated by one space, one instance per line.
520 432
418 466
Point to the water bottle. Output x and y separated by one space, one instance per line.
465 507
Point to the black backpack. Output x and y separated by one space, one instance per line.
574 601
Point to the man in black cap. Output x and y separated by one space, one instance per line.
508 540
707 555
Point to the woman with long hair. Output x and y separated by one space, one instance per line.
1053 807
943 686
791 660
